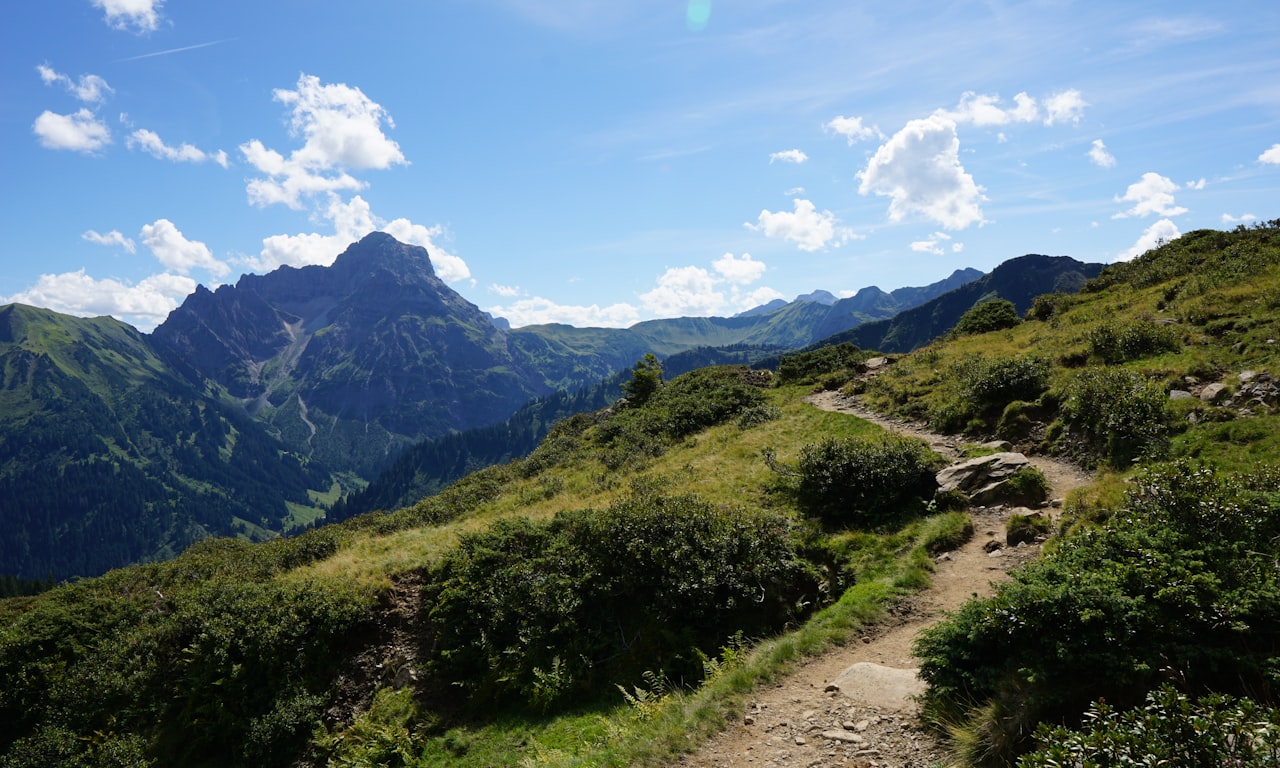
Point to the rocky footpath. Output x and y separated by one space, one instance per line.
854 706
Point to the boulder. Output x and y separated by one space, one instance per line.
984 479
1213 392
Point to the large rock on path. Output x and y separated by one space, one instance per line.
984 479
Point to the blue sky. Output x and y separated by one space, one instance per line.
601 162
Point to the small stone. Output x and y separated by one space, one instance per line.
800 741
831 687
996 553
862 725
843 737
749 720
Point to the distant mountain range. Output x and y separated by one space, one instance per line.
252 408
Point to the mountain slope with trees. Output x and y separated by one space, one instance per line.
108 457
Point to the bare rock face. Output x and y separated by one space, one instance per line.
984 479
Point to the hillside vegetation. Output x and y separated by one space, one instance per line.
616 594
552 604
1162 588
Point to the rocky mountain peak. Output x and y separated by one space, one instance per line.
378 251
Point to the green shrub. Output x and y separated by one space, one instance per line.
1180 582
1120 414
1026 486
1016 422
1049 305
808 367
1131 341
1168 729
861 481
991 315
952 416
544 614
1000 380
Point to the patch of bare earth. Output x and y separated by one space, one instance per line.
853 706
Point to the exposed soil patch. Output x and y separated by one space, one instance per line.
854 706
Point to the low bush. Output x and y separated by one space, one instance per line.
991 315
545 614
844 360
1181 582
1131 341
861 481
1026 486
1120 414
997 381
1170 728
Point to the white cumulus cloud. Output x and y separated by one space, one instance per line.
919 170
1155 235
90 89
985 109
78 132
506 291
739 271
151 143
178 253
1271 156
112 238
144 304
1065 106
540 311
142 15
341 130
684 291
788 156
1151 195
1100 156
805 226
853 129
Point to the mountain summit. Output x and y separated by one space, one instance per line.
375 351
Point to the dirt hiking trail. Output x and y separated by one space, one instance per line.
852 707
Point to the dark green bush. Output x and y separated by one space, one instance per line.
544 614
843 359
990 315
177 664
1171 729
1048 305
1120 414
1181 582
1132 341
996 381
866 481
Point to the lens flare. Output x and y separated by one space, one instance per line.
698 15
